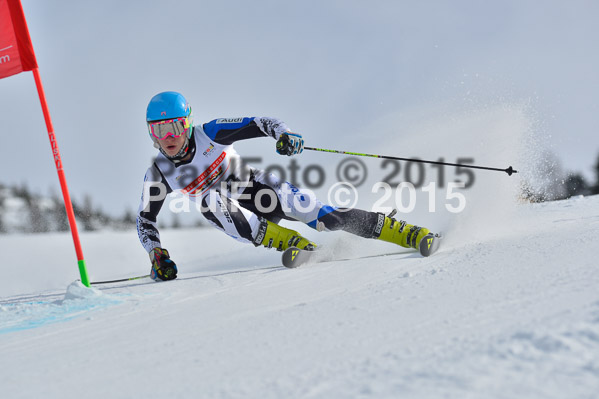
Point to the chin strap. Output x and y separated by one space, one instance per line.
189 145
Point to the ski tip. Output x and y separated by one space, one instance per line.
294 257
429 244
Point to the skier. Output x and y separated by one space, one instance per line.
200 162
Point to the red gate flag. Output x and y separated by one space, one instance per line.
16 51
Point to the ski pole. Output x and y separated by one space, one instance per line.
119 280
509 170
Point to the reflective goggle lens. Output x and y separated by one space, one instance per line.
170 127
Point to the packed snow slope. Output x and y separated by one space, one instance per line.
502 314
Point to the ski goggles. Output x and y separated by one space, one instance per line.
169 127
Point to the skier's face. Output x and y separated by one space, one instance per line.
172 145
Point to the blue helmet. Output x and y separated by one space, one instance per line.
169 105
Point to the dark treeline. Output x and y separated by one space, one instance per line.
563 186
23 211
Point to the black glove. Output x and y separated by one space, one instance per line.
163 268
290 144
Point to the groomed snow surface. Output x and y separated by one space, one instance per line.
506 310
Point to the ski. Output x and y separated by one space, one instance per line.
294 257
429 244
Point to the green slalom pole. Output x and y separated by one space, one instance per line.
508 170
83 272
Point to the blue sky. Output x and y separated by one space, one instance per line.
331 69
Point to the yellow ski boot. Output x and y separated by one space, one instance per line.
407 235
271 235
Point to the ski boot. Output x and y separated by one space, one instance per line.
271 235
407 235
